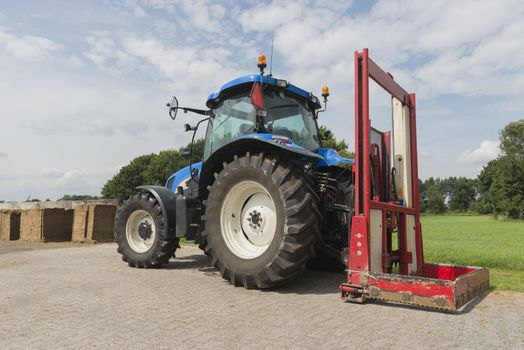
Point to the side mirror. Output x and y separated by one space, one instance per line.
173 107
185 152
188 127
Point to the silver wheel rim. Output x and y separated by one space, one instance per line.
248 219
137 221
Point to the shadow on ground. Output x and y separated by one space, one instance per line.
308 282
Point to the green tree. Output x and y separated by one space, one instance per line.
123 185
77 197
435 196
330 141
460 192
423 195
162 165
485 180
501 183
151 169
512 140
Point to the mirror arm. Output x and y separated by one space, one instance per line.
195 110
191 149
322 110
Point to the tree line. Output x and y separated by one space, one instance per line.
497 190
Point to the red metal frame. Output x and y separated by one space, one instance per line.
441 286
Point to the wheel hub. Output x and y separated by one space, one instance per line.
254 218
145 230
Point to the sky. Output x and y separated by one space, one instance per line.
83 84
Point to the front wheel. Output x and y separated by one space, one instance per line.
262 221
142 234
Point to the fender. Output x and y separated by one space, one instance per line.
248 144
167 201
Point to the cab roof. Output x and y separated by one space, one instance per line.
216 97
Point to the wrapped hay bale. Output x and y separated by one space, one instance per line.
9 225
46 225
93 223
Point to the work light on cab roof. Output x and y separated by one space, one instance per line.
262 63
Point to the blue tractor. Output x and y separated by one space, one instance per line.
264 201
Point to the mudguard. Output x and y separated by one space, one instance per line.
167 201
249 143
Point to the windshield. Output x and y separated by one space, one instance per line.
286 116
290 117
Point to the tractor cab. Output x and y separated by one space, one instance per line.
265 108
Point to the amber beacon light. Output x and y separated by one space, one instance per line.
325 91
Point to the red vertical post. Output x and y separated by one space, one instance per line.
356 165
365 146
365 134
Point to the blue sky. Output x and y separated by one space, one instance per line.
84 83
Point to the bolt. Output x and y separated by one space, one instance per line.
359 244
359 252
359 235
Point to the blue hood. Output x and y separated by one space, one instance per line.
181 176
329 157
326 157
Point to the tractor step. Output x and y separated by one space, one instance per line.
441 286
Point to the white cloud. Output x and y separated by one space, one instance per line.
136 9
83 122
27 47
198 15
51 172
469 48
54 183
487 151
271 16
195 70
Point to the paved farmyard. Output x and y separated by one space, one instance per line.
86 297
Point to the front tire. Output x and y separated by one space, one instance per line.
262 221
142 234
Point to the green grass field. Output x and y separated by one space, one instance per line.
478 241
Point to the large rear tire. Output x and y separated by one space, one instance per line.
262 221
142 234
